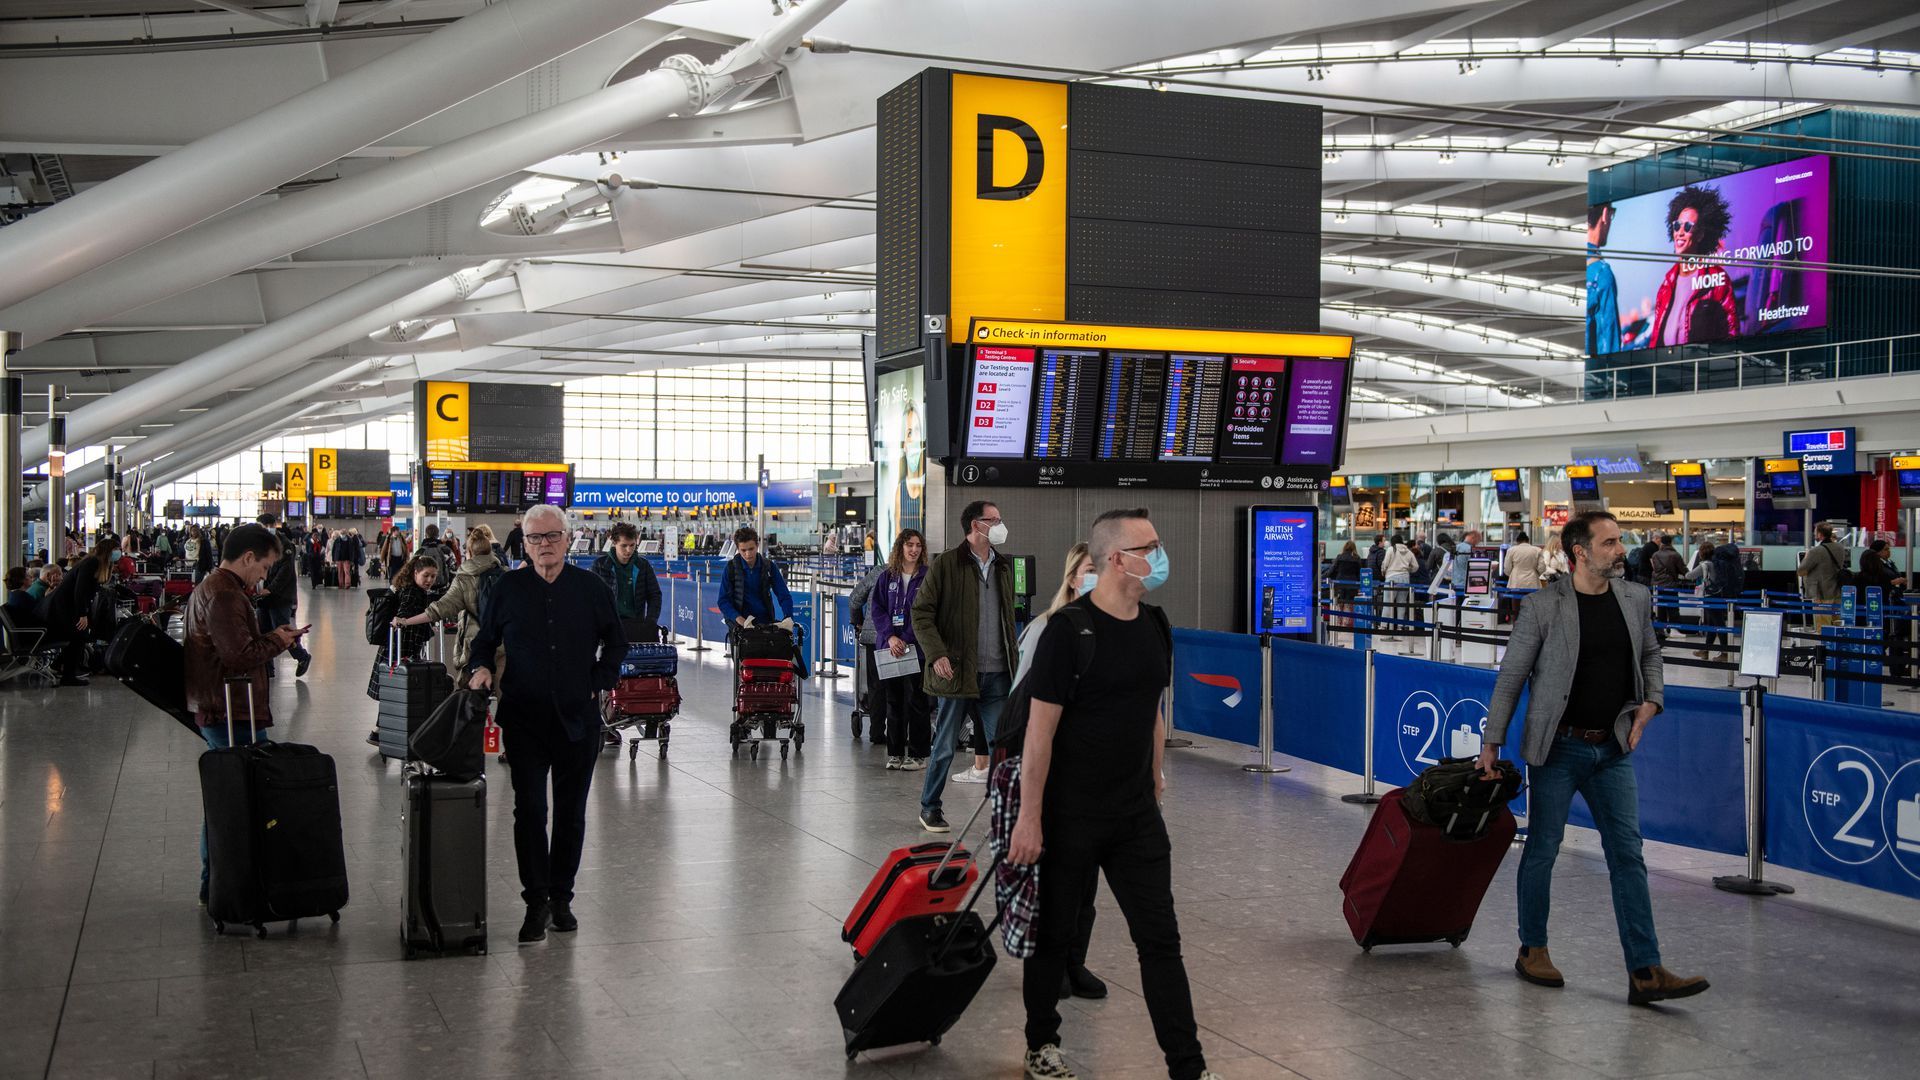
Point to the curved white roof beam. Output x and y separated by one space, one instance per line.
1553 364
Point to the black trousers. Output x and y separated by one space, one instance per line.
539 748
909 717
1137 858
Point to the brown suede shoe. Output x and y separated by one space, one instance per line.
1535 966
1664 985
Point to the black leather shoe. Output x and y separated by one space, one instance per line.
1086 984
300 668
562 917
534 927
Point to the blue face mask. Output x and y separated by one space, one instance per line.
1088 581
116 554
1156 561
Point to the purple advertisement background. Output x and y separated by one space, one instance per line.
1778 220
1315 399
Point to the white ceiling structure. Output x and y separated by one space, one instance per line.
237 219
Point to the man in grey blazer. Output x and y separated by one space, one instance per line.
1585 647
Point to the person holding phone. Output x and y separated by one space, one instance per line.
224 640
1584 647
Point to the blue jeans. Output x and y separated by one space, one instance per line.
216 736
948 714
1604 776
272 618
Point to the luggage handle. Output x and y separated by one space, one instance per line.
985 881
226 689
955 845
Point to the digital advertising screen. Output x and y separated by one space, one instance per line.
999 401
1066 410
1316 412
1282 569
1721 259
1253 408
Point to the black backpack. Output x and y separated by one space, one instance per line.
483 586
1453 797
383 606
1013 721
1729 575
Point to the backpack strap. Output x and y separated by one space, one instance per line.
1084 639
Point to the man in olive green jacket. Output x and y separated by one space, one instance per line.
963 619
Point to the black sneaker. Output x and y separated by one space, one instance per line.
373 737
934 821
562 917
1086 984
534 927
300 667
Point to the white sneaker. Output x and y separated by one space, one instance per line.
1211 1075
913 764
1047 1064
895 764
970 776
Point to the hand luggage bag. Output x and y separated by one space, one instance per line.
919 979
451 740
153 665
274 849
1408 883
410 691
650 658
924 879
443 885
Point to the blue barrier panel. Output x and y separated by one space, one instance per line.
686 606
1216 680
803 618
1843 793
1318 694
712 626
1424 711
845 636
1689 765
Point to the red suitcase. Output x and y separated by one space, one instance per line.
1408 883
904 886
646 695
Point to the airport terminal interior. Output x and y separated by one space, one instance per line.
693 539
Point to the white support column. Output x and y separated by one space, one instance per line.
295 137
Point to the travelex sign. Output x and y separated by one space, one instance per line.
1828 451
618 495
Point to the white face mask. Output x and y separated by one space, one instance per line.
997 533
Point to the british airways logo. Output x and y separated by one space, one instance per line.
1225 682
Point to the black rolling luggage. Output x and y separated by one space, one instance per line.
410 690
919 978
443 889
274 849
153 665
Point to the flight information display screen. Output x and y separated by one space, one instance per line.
1689 486
1283 572
1190 423
495 491
1788 485
1131 407
1251 408
1066 409
1584 488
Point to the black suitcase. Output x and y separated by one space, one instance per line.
443 887
409 693
274 848
152 664
919 978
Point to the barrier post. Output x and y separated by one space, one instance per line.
1753 882
1366 796
1266 764
1433 642
673 606
699 634
828 644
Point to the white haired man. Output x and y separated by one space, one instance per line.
564 645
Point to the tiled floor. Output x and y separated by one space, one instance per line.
709 944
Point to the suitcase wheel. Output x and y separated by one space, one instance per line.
260 930
783 751
753 751
219 927
335 916
409 953
663 748
1456 940
633 751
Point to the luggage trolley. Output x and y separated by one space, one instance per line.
647 697
766 690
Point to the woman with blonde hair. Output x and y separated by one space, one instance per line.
466 595
1553 561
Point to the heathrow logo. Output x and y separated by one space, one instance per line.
1225 682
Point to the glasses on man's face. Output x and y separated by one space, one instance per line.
545 537
1144 549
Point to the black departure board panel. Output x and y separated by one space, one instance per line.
516 422
1066 403
1192 416
1136 390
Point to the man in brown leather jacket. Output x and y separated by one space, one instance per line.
224 641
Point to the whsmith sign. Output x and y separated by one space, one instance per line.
1616 462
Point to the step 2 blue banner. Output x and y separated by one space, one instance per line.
1843 793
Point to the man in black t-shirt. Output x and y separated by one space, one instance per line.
1585 649
1090 788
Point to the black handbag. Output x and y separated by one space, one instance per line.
451 741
